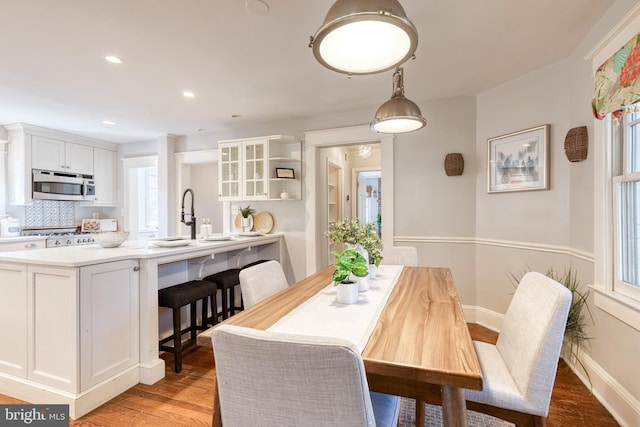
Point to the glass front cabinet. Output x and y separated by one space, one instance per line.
229 171
263 168
255 179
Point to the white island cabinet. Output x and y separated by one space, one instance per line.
80 325
63 318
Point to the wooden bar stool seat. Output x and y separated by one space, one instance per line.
176 297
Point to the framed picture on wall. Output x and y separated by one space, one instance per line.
519 161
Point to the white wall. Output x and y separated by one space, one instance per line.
553 228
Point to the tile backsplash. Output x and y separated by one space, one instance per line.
50 213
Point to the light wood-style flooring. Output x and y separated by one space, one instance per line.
186 399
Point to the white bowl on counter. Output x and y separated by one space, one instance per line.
110 239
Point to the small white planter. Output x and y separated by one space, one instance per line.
364 283
347 293
373 271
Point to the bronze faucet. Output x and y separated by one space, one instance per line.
192 222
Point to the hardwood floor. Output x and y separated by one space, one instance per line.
186 399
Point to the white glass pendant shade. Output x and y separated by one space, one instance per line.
364 37
399 114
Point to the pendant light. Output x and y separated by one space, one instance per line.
364 37
398 115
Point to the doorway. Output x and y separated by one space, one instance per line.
141 197
368 199
342 196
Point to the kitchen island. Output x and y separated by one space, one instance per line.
80 325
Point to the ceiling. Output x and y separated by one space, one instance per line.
258 66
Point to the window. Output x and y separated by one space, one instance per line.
626 205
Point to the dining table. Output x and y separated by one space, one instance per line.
419 345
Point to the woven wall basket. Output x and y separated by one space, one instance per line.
454 164
576 144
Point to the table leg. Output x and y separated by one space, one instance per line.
454 407
419 412
217 417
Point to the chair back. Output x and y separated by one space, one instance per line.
400 255
277 379
531 337
261 281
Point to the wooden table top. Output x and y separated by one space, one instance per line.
421 336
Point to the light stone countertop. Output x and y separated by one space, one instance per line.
21 239
82 255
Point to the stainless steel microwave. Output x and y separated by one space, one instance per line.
50 185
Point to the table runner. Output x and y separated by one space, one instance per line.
322 315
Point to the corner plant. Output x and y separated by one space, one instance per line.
575 332
349 262
245 212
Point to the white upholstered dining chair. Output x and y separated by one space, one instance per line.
519 370
400 255
275 379
261 281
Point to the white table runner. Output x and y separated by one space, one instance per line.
321 315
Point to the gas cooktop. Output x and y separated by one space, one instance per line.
58 237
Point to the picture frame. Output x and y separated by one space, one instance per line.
519 161
286 173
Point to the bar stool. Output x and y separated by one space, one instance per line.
176 297
226 281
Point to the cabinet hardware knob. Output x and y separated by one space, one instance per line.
136 268
30 245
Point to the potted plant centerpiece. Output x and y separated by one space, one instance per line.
373 245
360 236
349 264
246 220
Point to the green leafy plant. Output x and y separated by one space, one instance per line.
354 232
373 245
575 332
349 262
245 212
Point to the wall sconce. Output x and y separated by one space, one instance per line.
454 164
576 144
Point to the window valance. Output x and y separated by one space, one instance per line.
617 81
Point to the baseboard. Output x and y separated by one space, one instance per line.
487 318
151 373
79 404
623 405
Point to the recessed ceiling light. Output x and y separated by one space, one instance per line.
108 122
113 59
256 7
188 94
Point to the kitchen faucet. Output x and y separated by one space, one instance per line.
192 222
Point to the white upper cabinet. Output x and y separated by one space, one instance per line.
32 147
229 171
104 174
61 156
263 168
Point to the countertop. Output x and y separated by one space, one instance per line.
78 256
21 239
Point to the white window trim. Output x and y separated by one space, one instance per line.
623 308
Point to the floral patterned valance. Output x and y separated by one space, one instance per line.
617 81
